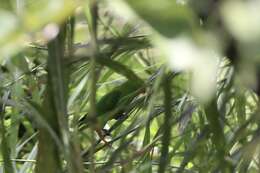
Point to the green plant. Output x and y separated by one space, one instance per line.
174 83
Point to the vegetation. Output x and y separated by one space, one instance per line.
129 86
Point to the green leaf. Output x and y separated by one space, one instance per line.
167 17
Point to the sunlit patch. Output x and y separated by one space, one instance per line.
9 22
182 2
185 55
242 19
50 31
121 9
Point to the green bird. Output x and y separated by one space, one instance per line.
113 104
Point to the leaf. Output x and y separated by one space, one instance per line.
167 17
51 11
120 68
27 166
164 159
5 147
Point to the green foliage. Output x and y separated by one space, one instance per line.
175 84
168 17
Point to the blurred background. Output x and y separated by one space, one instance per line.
129 86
